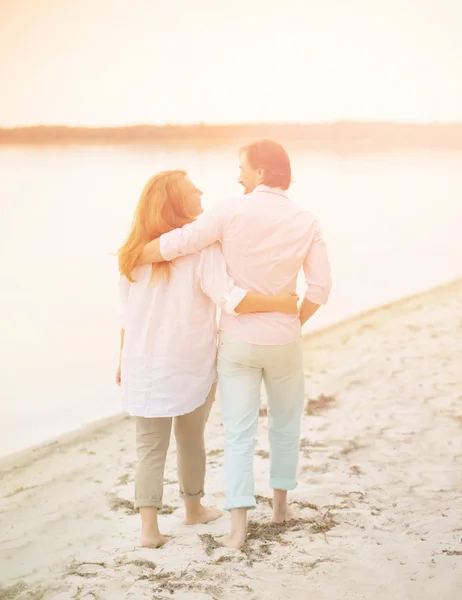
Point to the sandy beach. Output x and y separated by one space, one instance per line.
378 507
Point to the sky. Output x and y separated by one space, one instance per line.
114 62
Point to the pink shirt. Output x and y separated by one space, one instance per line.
266 240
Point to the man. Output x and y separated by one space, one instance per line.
266 240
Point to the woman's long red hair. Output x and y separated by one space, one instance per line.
161 208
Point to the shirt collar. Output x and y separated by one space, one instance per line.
270 190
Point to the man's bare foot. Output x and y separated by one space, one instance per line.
153 540
236 537
280 515
202 515
233 540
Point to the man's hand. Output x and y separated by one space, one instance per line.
307 310
287 303
150 253
118 375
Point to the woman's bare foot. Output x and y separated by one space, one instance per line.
233 540
202 515
152 540
150 534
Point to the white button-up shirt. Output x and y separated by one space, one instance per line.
266 240
170 343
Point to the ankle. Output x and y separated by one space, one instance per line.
279 499
239 521
193 508
280 514
149 523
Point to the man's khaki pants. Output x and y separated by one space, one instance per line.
152 441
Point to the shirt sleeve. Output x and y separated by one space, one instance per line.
215 281
124 292
317 270
196 236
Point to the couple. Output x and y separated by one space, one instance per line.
244 256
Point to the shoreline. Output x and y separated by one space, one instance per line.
359 136
372 312
32 454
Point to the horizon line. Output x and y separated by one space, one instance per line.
242 124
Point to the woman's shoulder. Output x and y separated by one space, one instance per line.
187 261
141 273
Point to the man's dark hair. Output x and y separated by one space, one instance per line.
270 156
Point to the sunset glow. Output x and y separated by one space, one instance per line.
114 62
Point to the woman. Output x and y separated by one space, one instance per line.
169 344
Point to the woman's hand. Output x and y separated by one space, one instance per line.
118 375
288 303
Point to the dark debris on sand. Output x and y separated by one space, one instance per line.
322 524
228 558
352 446
272 532
264 500
166 510
209 543
11 592
140 562
302 504
306 444
19 589
261 536
266 534
117 503
79 569
168 582
262 453
320 404
216 452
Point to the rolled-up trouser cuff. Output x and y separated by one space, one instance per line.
240 502
197 496
147 503
283 484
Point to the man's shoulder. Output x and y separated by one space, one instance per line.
307 214
302 211
240 204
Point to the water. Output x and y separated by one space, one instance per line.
392 223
